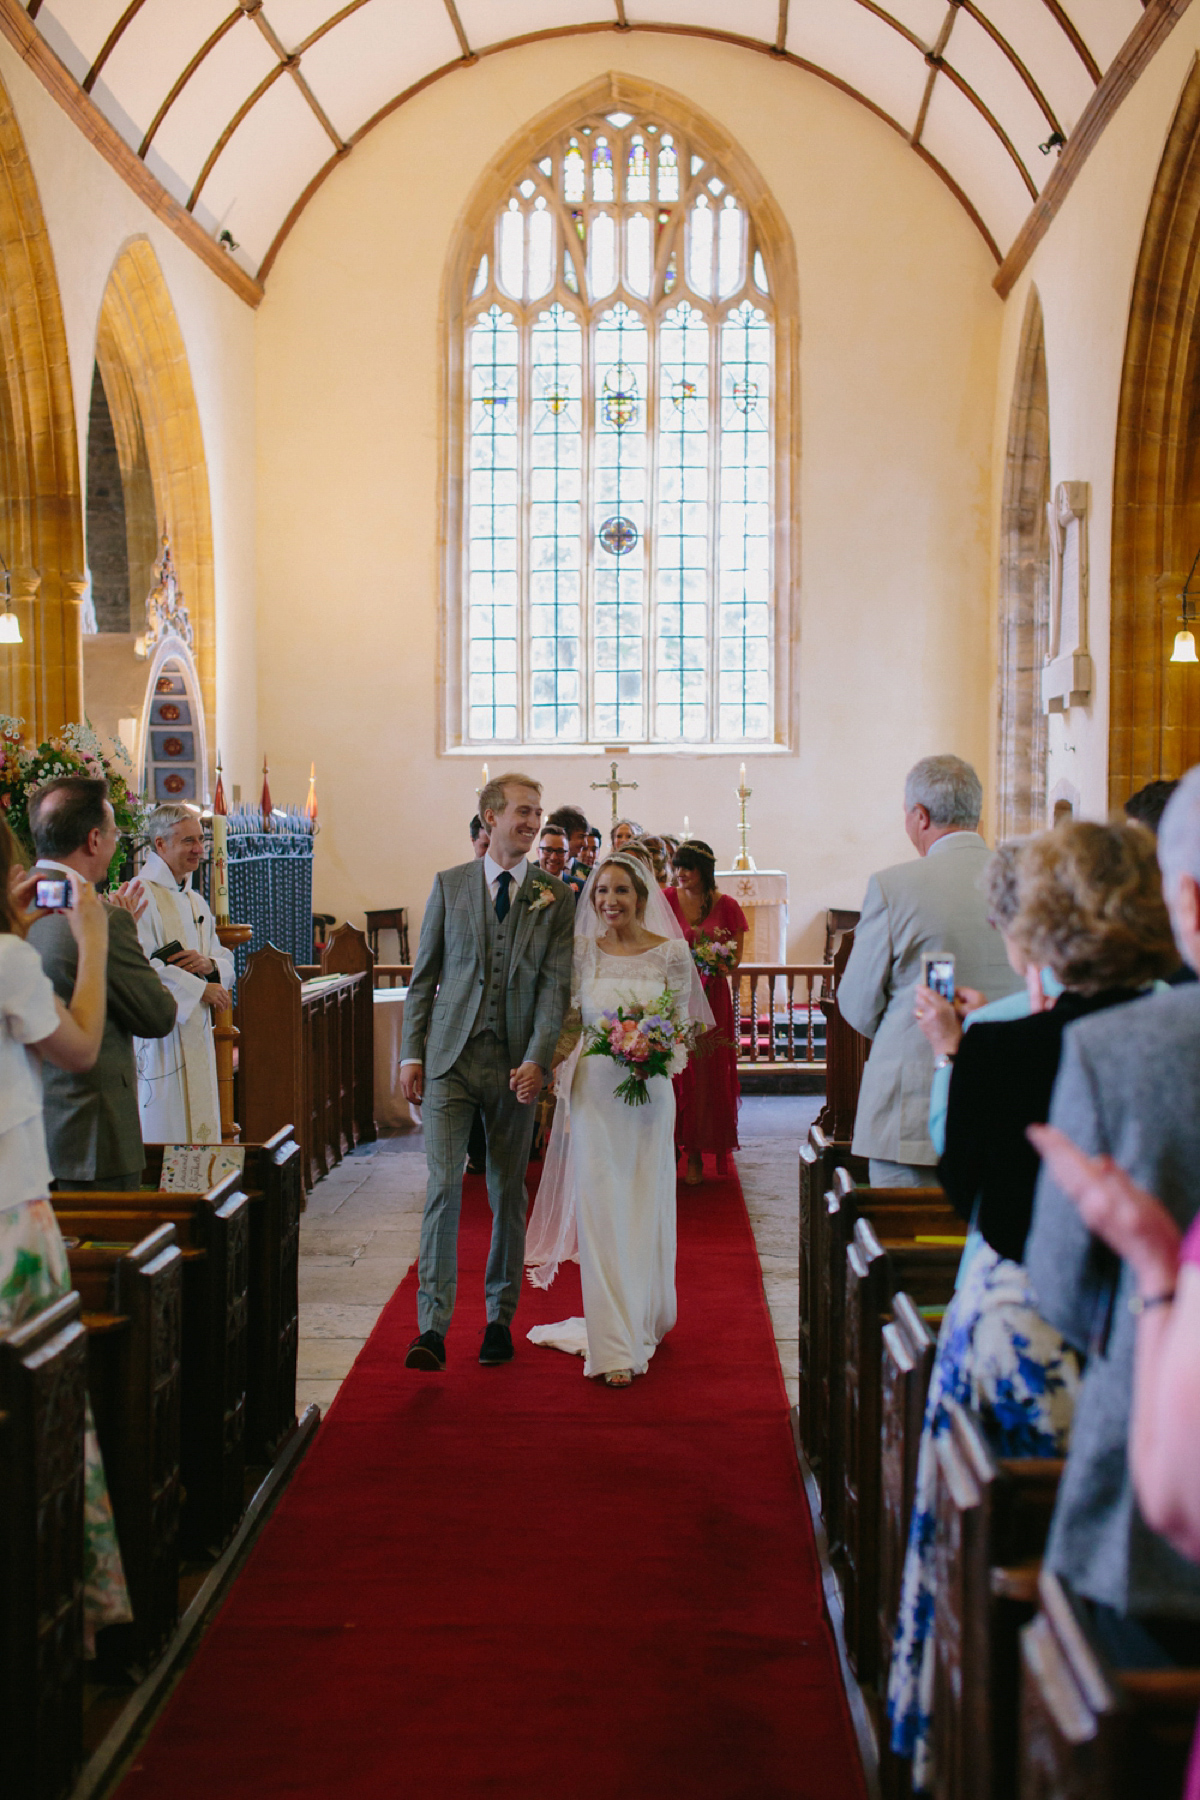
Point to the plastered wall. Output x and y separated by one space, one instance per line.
900 333
90 214
1084 271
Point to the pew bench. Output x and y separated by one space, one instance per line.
1089 1729
43 1394
820 1158
132 1297
878 1267
273 1183
993 1518
214 1236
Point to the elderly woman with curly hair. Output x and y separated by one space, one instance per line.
1089 908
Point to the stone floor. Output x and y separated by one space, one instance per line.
359 1236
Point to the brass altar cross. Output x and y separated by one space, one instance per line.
613 787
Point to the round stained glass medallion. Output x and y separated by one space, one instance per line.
620 396
557 401
174 784
745 395
494 401
683 393
618 535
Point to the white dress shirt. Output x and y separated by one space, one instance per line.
491 874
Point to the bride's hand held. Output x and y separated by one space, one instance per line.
526 1082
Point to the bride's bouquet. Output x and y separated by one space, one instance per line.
649 1040
713 956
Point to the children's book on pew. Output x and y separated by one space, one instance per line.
195 1168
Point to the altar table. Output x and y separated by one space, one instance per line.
762 895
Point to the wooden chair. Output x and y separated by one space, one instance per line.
390 918
273 1183
43 1394
993 1516
133 1314
214 1237
1088 1729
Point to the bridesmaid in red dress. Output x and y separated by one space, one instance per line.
707 1093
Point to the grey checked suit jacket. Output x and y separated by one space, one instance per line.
1128 1086
93 1131
447 979
931 904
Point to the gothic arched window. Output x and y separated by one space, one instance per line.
619 449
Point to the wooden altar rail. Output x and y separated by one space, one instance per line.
778 1015
307 1053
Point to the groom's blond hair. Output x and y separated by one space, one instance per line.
493 798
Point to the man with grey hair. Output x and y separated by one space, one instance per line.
177 1075
932 906
1128 1087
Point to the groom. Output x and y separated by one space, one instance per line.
485 1003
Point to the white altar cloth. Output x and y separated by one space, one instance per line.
762 895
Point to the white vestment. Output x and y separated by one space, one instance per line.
177 1075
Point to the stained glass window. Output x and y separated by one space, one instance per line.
620 450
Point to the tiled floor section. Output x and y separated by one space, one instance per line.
359 1237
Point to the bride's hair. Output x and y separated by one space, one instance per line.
636 870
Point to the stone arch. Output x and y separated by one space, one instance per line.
164 472
41 521
622 91
1154 706
1024 589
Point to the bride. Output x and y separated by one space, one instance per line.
607 1195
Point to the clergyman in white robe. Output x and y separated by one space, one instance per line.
177 1075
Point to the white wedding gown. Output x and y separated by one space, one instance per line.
623 1162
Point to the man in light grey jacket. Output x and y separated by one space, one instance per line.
935 906
485 1004
1128 1087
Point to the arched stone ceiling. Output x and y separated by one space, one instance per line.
240 107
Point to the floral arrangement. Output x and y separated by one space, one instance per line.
541 894
645 1040
75 750
713 955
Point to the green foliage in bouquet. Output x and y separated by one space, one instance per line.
75 750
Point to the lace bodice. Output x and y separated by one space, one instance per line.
602 982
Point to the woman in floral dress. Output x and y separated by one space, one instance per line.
707 1093
33 1258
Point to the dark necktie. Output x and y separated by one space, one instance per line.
503 882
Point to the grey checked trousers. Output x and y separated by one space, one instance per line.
478 1079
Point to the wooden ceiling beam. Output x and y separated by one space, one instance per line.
110 43
185 75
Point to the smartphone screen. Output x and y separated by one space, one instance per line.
52 892
939 975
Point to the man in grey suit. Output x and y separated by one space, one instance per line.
934 905
1128 1087
484 1009
93 1131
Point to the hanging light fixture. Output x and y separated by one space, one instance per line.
10 625
1185 643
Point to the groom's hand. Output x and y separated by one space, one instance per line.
412 1082
526 1082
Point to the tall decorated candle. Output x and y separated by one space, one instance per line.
219 885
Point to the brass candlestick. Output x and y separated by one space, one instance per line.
743 859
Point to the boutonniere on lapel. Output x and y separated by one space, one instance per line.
541 894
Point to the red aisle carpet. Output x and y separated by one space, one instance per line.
518 1583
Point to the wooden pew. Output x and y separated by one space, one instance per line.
906 1363
915 1210
820 1158
878 1266
273 1183
1088 1729
214 1236
43 1393
993 1516
133 1312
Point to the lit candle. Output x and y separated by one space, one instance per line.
486 776
742 776
687 830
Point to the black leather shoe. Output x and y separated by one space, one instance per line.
427 1352
497 1346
